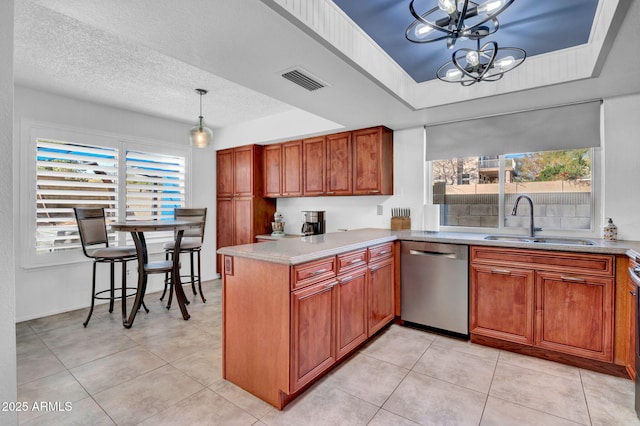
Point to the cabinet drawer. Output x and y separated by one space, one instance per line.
353 259
599 264
380 251
313 272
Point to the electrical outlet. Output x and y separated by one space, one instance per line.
379 206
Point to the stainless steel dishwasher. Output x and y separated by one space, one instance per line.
434 286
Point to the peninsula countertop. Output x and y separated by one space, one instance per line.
293 251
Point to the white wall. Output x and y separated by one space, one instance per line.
622 162
49 290
8 379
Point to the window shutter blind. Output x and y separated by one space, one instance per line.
563 127
155 187
70 175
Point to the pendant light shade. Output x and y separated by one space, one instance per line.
200 135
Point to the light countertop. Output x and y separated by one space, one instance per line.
300 249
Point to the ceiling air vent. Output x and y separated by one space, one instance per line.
304 79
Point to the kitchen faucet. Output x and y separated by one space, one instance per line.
532 228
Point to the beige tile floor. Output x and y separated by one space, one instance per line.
165 371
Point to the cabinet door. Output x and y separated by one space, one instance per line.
242 221
501 303
352 310
224 173
380 294
243 171
312 331
272 170
574 314
313 166
224 227
373 161
292 169
339 164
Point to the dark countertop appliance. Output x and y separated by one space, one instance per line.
313 222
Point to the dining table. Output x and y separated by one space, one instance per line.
137 230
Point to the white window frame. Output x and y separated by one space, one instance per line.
597 174
30 131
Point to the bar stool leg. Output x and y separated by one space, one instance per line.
193 283
166 277
93 296
200 280
112 267
124 291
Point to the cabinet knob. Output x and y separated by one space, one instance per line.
501 271
633 293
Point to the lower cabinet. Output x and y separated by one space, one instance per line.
285 326
351 310
563 302
574 314
501 302
380 294
313 340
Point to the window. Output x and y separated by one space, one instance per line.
68 175
130 179
481 191
155 187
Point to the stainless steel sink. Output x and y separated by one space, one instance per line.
541 240
509 238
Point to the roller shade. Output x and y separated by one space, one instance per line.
563 127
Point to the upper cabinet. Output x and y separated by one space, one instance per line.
292 169
237 171
347 163
273 170
313 166
339 164
373 161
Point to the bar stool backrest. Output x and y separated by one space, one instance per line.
92 227
193 215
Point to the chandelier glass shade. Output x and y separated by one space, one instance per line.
453 19
486 63
200 135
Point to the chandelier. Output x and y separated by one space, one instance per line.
485 63
454 19
200 135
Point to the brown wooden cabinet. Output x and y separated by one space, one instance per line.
285 326
273 171
339 164
347 163
501 303
313 339
574 314
313 166
381 286
242 212
373 161
351 309
292 169
571 312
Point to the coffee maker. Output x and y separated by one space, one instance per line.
312 222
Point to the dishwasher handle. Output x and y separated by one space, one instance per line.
433 253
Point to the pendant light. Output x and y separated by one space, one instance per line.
200 135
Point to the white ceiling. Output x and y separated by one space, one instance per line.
149 55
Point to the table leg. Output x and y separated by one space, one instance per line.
177 283
141 249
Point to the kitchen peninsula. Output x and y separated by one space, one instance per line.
295 307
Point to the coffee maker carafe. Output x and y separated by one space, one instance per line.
312 222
